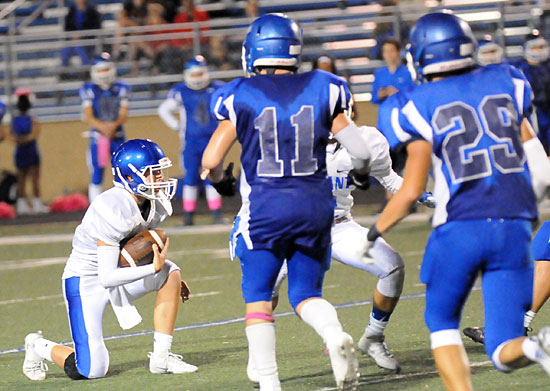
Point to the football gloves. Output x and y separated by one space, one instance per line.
361 181
227 187
427 199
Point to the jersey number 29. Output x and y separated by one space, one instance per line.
465 154
270 164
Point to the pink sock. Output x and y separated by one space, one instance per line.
215 203
189 205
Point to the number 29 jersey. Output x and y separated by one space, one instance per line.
283 124
473 123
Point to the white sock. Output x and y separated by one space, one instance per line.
94 191
161 342
261 342
43 347
375 327
532 350
528 318
322 316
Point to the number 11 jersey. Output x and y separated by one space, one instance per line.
473 122
283 123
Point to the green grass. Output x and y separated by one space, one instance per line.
221 351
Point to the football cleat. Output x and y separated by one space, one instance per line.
34 366
377 348
344 362
169 362
476 334
543 357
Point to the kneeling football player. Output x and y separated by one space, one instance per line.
140 200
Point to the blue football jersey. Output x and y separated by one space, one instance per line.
197 122
539 78
473 123
106 103
283 124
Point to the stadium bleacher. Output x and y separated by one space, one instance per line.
346 29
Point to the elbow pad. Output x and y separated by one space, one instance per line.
350 138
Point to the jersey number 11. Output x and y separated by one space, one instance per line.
270 165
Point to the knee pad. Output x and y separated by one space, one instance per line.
392 284
70 368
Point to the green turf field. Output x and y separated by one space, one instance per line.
30 299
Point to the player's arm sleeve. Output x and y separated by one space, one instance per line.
110 275
380 165
222 104
124 95
166 113
523 92
86 96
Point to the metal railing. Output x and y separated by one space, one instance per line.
31 57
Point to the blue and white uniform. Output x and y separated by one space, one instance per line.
196 124
106 104
485 199
113 216
283 123
539 78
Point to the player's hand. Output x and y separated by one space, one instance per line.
361 181
185 291
160 257
109 129
427 199
228 185
366 255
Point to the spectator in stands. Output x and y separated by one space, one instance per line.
82 16
190 13
394 76
24 131
387 81
170 9
134 13
535 65
252 9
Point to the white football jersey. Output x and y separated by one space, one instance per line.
339 164
113 216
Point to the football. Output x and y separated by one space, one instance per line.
138 250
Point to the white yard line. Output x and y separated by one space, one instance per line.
29 299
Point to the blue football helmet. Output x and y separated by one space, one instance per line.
441 42
535 48
195 73
103 71
137 162
272 40
489 52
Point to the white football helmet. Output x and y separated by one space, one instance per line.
536 48
103 71
195 73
